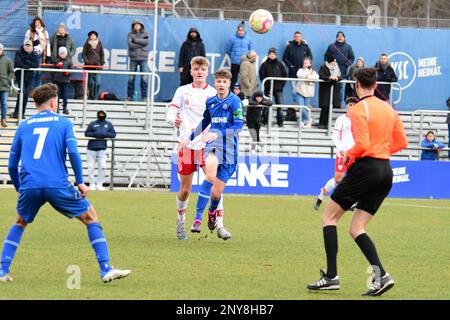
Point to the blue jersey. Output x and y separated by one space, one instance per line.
226 119
41 143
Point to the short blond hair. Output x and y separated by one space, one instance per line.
222 73
199 61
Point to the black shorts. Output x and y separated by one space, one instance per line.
368 182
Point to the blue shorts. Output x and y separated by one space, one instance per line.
225 171
67 201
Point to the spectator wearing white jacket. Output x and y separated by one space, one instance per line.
304 88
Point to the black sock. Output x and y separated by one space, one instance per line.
331 248
368 248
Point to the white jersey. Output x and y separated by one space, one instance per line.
190 103
342 134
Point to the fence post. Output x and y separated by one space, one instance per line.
22 82
269 115
420 134
330 114
85 89
113 151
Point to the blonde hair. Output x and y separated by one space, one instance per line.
222 73
199 61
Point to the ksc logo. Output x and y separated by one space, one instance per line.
404 67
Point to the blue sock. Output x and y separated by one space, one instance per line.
213 205
10 246
98 243
203 198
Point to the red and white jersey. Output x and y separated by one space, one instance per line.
190 103
342 134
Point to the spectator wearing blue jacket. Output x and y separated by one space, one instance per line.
101 130
430 142
237 46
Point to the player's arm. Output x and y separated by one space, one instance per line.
206 121
360 131
75 159
172 115
14 158
238 120
399 139
335 136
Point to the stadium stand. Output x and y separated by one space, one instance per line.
132 143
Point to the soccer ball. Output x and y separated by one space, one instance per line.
261 21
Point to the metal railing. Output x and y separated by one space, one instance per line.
421 114
86 72
330 115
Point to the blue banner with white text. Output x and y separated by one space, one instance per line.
306 176
419 56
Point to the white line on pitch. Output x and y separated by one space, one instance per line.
415 205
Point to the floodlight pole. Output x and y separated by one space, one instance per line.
280 15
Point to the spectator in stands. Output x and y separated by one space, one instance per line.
94 58
61 79
253 117
448 124
138 40
100 129
294 54
237 91
62 38
272 67
24 58
192 47
331 74
433 146
6 74
238 45
304 90
350 87
247 74
41 42
385 73
343 53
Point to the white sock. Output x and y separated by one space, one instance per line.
329 186
181 207
219 223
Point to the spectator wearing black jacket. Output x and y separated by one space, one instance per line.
272 67
237 91
25 58
62 79
385 73
343 53
192 47
331 74
295 53
253 117
94 58
100 129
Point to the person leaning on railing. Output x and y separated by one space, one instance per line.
433 147
304 89
6 74
93 55
62 79
330 73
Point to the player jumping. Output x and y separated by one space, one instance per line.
224 114
343 140
186 112
42 143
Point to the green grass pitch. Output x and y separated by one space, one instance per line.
276 250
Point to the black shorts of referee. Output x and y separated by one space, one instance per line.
368 182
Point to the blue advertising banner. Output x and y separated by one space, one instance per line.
419 56
306 176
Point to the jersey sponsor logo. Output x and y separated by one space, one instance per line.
219 120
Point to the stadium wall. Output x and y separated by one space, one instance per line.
306 176
419 56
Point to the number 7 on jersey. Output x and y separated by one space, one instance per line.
42 132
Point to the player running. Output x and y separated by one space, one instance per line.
41 143
343 140
378 132
186 112
224 114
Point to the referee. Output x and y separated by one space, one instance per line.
378 132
